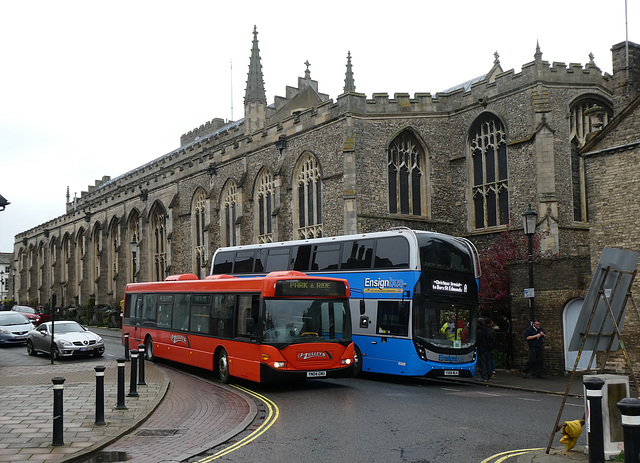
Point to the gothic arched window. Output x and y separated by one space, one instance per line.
490 182
199 230
307 192
406 170
264 200
230 214
159 230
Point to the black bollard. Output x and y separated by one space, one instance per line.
100 395
121 405
141 366
595 427
134 373
630 410
58 420
126 346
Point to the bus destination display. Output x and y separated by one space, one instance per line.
306 288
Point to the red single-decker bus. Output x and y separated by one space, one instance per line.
280 326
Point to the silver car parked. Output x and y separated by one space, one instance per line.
13 328
70 338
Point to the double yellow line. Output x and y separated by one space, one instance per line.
272 416
501 457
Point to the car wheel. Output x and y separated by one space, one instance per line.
357 361
98 354
148 350
223 366
56 352
30 348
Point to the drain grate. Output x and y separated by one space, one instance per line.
157 432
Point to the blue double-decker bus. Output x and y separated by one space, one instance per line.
414 294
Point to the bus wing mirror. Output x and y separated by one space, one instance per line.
361 306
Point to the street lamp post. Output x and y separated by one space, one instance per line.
134 250
13 285
529 221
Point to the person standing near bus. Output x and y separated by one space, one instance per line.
484 351
534 336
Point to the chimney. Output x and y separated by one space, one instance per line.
626 74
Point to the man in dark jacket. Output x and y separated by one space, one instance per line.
534 336
484 345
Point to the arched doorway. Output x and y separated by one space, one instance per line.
569 320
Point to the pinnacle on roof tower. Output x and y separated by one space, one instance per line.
255 83
349 83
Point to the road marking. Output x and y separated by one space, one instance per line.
529 400
271 418
508 454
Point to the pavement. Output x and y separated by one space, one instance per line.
179 414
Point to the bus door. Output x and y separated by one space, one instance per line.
245 356
381 333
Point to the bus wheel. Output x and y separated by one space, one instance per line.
148 349
223 366
357 361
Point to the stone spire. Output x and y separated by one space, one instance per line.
255 100
255 83
349 83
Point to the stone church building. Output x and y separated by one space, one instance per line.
467 161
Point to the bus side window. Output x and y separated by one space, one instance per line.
300 257
201 313
222 321
393 318
165 307
392 252
149 311
277 259
248 306
224 262
326 257
181 312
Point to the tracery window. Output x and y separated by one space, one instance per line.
230 214
405 163
588 116
199 227
159 230
80 249
97 243
114 243
134 234
490 183
264 200
66 256
307 193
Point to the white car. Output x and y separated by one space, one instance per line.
70 338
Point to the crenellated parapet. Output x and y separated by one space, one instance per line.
204 130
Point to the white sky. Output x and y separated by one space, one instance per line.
91 88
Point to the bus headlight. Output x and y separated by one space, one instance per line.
347 361
278 364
